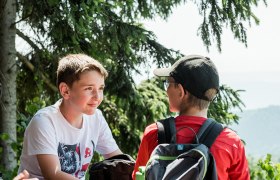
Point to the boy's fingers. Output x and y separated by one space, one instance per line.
21 176
25 173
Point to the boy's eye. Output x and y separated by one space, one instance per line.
89 88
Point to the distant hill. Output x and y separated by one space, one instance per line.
260 129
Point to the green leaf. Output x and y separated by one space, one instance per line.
4 136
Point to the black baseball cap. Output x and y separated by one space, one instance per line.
195 73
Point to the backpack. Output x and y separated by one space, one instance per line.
114 168
170 161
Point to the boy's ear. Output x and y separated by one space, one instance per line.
64 90
181 91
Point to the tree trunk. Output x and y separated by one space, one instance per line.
8 69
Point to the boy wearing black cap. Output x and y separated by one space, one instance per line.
191 84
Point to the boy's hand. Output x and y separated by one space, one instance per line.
24 175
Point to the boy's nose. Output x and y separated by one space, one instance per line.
95 94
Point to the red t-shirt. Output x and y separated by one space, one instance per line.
228 150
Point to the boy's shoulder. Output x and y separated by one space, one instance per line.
150 133
52 109
228 139
151 129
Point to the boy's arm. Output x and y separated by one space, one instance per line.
239 169
117 152
147 145
50 167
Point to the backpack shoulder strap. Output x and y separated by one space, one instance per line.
209 131
166 129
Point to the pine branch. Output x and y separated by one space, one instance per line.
25 61
28 40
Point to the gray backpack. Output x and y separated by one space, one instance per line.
171 161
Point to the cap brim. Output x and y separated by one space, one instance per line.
163 72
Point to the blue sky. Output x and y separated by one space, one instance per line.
255 69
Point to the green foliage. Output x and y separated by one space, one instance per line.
23 118
4 136
225 13
128 117
265 169
8 174
151 103
226 101
120 124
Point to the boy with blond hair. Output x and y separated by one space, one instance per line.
60 139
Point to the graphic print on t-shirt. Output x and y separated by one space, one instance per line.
88 154
69 157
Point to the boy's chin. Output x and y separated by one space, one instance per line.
90 112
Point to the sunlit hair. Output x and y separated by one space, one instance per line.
200 103
72 66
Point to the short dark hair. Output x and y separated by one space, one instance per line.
71 66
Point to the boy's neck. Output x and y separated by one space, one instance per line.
73 118
195 112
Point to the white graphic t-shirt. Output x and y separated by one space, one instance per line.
49 133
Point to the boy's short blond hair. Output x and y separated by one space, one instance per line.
71 66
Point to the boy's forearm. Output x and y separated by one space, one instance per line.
117 152
50 167
62 176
